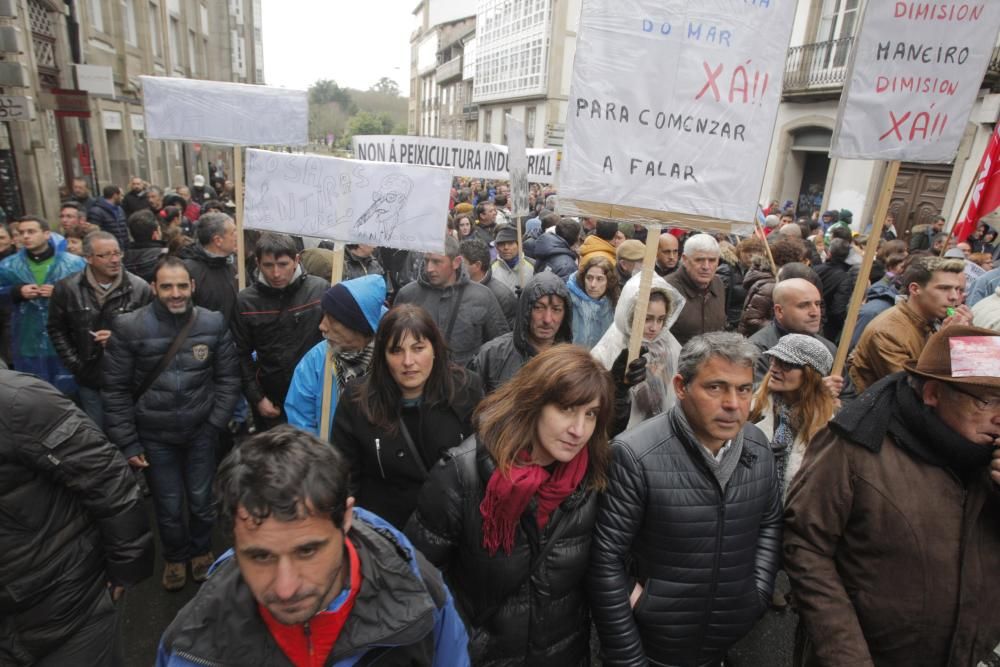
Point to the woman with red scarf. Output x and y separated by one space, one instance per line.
508 515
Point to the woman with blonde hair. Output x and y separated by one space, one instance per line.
594 293
508 515
792 404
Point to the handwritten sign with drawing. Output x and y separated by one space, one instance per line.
224 113
467 158
399 206
917 68
672 107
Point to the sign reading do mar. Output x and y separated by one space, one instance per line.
917 68
671 109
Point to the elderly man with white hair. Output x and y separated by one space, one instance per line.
705 295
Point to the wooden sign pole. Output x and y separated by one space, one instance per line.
645 284
324 422
861 286
241 260
519 223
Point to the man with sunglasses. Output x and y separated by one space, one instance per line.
81 311
892 527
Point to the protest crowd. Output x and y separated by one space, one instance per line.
497 482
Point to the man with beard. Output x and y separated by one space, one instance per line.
171 381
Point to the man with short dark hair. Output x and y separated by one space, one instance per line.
486 222
107 214
73 531
80 193
276 323
466 312
688 535
82 309
171 381
544 319
476 258
311 578
29 278
556 252
667 254
600 242
210 263
72 217
934 286
892 527
147 245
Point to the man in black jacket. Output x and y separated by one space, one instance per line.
688 535
107 214
81 310
172 414
277 317
147 245
73 532
210 263
135 199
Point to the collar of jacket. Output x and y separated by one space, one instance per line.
293 285
393 608
144 245
923 326
197 252
164 315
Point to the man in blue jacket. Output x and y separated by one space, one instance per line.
311 579
108 214
351 313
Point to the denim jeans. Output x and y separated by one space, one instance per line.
179 473
90 402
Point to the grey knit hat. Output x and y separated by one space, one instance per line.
803 350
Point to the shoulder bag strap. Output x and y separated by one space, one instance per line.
412 447
172 351
454 313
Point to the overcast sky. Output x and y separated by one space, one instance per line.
353 42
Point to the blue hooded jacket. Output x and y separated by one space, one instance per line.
880 297
304 401
591 317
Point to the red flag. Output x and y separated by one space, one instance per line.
986 193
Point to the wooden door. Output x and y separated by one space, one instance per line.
919 194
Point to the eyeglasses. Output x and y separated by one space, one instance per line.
108 255
982 404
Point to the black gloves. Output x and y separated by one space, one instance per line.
635 373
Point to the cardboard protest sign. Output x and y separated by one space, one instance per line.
467 158
224 113
518 162
917 68
671 109
399 206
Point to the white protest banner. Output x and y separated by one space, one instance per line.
671 110
224 113
518 162
399 206
467 158
917 68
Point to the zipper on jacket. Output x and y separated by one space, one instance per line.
378 455
309 643
196 660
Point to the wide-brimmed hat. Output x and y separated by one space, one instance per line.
935 360
802 350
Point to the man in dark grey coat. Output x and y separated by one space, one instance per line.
173 426
688 534
466 312
543 319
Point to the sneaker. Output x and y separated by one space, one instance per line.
174 576
200 566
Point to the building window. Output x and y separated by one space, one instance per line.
154 29
96 14
503 126
128 18
530 116
175 40
512 45
488 126
192 56
837 22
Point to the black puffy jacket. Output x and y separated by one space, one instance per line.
74 313
71 519
200 385
110 218
706 560
498 360
280 325
386 473
552 253
513 619
142 256
214 280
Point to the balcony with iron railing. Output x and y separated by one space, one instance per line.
817 70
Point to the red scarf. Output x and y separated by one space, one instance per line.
310 649
508 496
